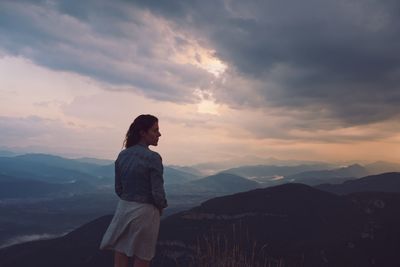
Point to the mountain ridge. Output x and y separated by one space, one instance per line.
293 222
385 182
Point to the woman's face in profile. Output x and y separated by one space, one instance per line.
152 135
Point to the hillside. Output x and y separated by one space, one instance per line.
78 248
385 182
293 223
224 183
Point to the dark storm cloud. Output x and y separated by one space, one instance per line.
341 57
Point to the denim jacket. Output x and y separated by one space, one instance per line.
139 176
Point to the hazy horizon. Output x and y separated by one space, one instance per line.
229 80
216 165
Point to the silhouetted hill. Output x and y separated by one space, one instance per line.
382 167
31 218
277 204
386 182
224 183
78 248
294 223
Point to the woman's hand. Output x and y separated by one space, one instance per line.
161 211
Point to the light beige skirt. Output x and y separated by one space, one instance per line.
133 230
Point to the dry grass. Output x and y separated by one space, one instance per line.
217 250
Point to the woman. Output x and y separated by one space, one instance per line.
139 184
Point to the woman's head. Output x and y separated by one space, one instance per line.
144 129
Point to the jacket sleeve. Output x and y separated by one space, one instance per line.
118 184
157 182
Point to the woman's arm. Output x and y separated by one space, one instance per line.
118 184
157 182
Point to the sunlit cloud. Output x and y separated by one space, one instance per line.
207 103
190 52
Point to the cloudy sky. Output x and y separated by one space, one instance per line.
229 79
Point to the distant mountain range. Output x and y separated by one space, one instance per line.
270 173
45 194
382 166
57 174
48 176
213 185
311 174
209 168
225 183
333 176
10 161
6 153
175 176
287 225
12 187
42 172
48 168
187 169
386 182
96 161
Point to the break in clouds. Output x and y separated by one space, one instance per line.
324 64
334 59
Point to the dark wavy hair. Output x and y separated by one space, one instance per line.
142 123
